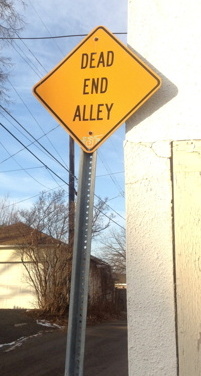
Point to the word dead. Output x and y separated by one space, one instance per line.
93 112
97 60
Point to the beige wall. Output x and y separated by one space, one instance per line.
187 220
15 292
167 35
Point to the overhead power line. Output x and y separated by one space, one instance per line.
35 140
35 156
28 198
45 26
113 178
44 165
34 118
31 52
107 216
25 147
52 189
17 152
26 60
20 169
25 170
109 174
56 37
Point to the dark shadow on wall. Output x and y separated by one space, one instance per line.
166 93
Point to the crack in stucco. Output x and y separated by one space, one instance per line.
160 148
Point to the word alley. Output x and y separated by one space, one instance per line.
93 112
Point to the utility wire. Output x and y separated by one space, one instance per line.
27 61
23 168
16 91
23 100
107 205
43 23
17 152
26 199
35 57
20 169
48 168
39 74
34 120
33 168
111 219
56 37
110 173
35 140
107 216
113 178
121 216
52 189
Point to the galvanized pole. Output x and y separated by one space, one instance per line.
80 267
71 196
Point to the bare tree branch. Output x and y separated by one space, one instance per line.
100 221
10 23
114 250
49 268
8 213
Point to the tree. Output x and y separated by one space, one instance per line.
10 24
8 213
49 263
101 219
50 215
48 266
114 250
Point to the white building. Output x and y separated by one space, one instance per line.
16 290
163 194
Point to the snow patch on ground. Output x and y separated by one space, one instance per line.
18 343
13 345
48 324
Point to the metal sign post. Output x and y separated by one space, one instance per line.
80 267
91 92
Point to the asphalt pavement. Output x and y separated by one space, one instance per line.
29 349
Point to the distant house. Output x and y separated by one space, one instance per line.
101 282
120 280
120 291
15 289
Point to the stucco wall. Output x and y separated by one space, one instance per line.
167 35
151 327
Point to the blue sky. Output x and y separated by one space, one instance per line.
22 175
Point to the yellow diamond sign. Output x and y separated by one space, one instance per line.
95 88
